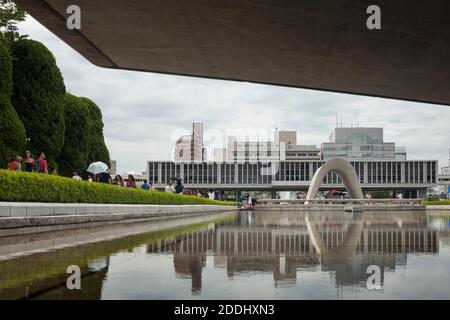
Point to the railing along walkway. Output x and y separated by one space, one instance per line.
408 201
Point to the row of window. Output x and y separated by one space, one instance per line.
378 172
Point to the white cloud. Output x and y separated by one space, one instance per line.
142 110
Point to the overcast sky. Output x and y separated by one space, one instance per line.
143 113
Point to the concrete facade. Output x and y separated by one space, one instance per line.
190 147
36 209
321 44
414 176
359 143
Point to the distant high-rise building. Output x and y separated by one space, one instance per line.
190 147
113 167
358 143
220 154
283 147
446 170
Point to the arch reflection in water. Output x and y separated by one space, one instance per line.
285 243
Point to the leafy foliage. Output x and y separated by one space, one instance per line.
437 203
38 90
12 131
34 187
10 15
74 154
380 194
432 197
97 150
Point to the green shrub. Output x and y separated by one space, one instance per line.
74 154
380 194
436 203
33 187
38 90
12 131
97 149
432 197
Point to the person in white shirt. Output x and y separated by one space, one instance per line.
76 176
211 195
170 188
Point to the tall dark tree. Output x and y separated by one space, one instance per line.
10 15
12 131
38 91
74 154
97 149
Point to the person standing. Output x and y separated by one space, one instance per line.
169 188
14 163
76 176
105 177
29 161
179 187
249 201
41 164
118 181
211 195
145 185
131 182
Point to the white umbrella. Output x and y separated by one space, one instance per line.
97 167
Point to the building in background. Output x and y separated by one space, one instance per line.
113 167
444 180
220 154
358 143
281 165
190 147
283 147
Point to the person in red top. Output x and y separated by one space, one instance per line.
14 164
41 164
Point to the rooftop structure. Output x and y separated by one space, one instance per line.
360 143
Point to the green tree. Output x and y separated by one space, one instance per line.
38 91
74 154
97 149
10 15
12 131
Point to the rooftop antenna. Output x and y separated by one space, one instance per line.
337 121
341 121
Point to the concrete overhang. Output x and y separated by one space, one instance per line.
316 44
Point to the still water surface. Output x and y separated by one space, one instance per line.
249 255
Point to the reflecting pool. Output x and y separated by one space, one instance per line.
248 255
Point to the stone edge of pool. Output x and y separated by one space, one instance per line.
15 215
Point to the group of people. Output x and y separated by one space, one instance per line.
30 164
174 186
247 201
105 177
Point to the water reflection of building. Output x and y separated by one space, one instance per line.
190 266
284 250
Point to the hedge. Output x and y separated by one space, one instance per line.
75 151
34 187
12 131
436 203
38 91
97 146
